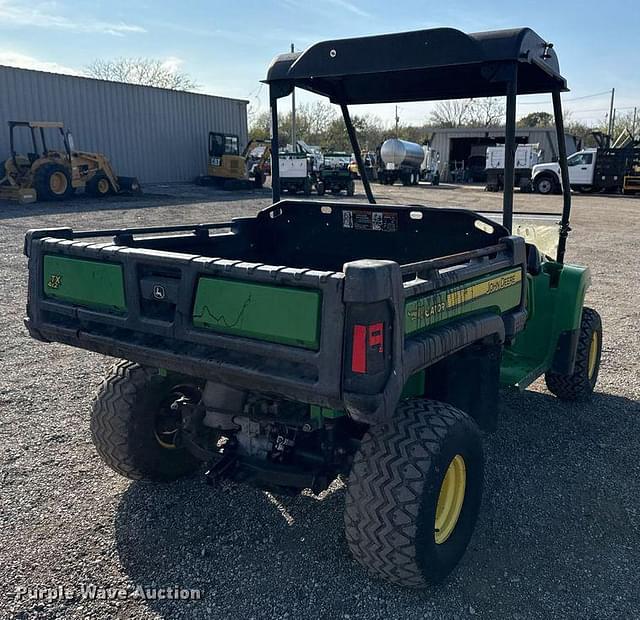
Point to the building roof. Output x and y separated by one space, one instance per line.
480 131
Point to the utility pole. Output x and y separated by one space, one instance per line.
633 125
397 121
613 92
294 143
612 125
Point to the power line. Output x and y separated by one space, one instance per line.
604 92
592 110
579 111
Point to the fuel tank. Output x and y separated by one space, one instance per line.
401 153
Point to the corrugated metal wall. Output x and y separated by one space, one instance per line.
155 134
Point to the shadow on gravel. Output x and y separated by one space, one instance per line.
559 527
84 204
439 187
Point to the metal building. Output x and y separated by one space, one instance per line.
155 134
464 148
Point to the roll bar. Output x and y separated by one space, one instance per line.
427 65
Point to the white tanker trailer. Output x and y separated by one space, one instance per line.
400 160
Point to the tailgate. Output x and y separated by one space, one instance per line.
250 324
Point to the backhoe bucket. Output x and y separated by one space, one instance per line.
129 185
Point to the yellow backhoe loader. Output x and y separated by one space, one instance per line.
51 174
230 169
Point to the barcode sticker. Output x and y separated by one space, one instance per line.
384 221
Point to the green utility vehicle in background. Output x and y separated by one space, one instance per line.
335 176
320 339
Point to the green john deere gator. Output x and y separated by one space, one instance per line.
320 338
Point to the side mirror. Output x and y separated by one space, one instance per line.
72 146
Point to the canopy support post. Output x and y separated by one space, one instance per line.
275 161
510 151
564 174
356 151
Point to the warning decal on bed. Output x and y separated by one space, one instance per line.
384 221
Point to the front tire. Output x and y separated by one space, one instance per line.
545 184
414 493
99 186
580 384
133 427
351 188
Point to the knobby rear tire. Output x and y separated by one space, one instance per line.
123 424
393 490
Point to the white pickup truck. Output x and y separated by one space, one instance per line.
590 170
546 177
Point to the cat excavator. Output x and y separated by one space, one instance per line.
230 169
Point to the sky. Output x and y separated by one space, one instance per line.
227 46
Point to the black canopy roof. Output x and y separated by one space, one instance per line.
440 63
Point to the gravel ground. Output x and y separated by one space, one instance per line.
559 531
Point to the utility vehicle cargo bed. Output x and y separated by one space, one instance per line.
271 302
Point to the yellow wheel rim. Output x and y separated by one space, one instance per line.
58 183
593 354
103 186
166 444
450 499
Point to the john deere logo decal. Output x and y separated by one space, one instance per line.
54 281
159 291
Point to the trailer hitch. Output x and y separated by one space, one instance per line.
220 469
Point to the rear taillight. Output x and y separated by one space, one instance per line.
367 352
368 347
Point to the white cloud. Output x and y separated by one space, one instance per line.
16 59
349 6
172 64
41 16
342 4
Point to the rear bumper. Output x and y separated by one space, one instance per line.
290 380
293 380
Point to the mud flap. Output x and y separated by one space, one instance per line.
469 380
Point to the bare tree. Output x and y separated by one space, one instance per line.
452 113
260 125
320 115
485 112
626 122
143 71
